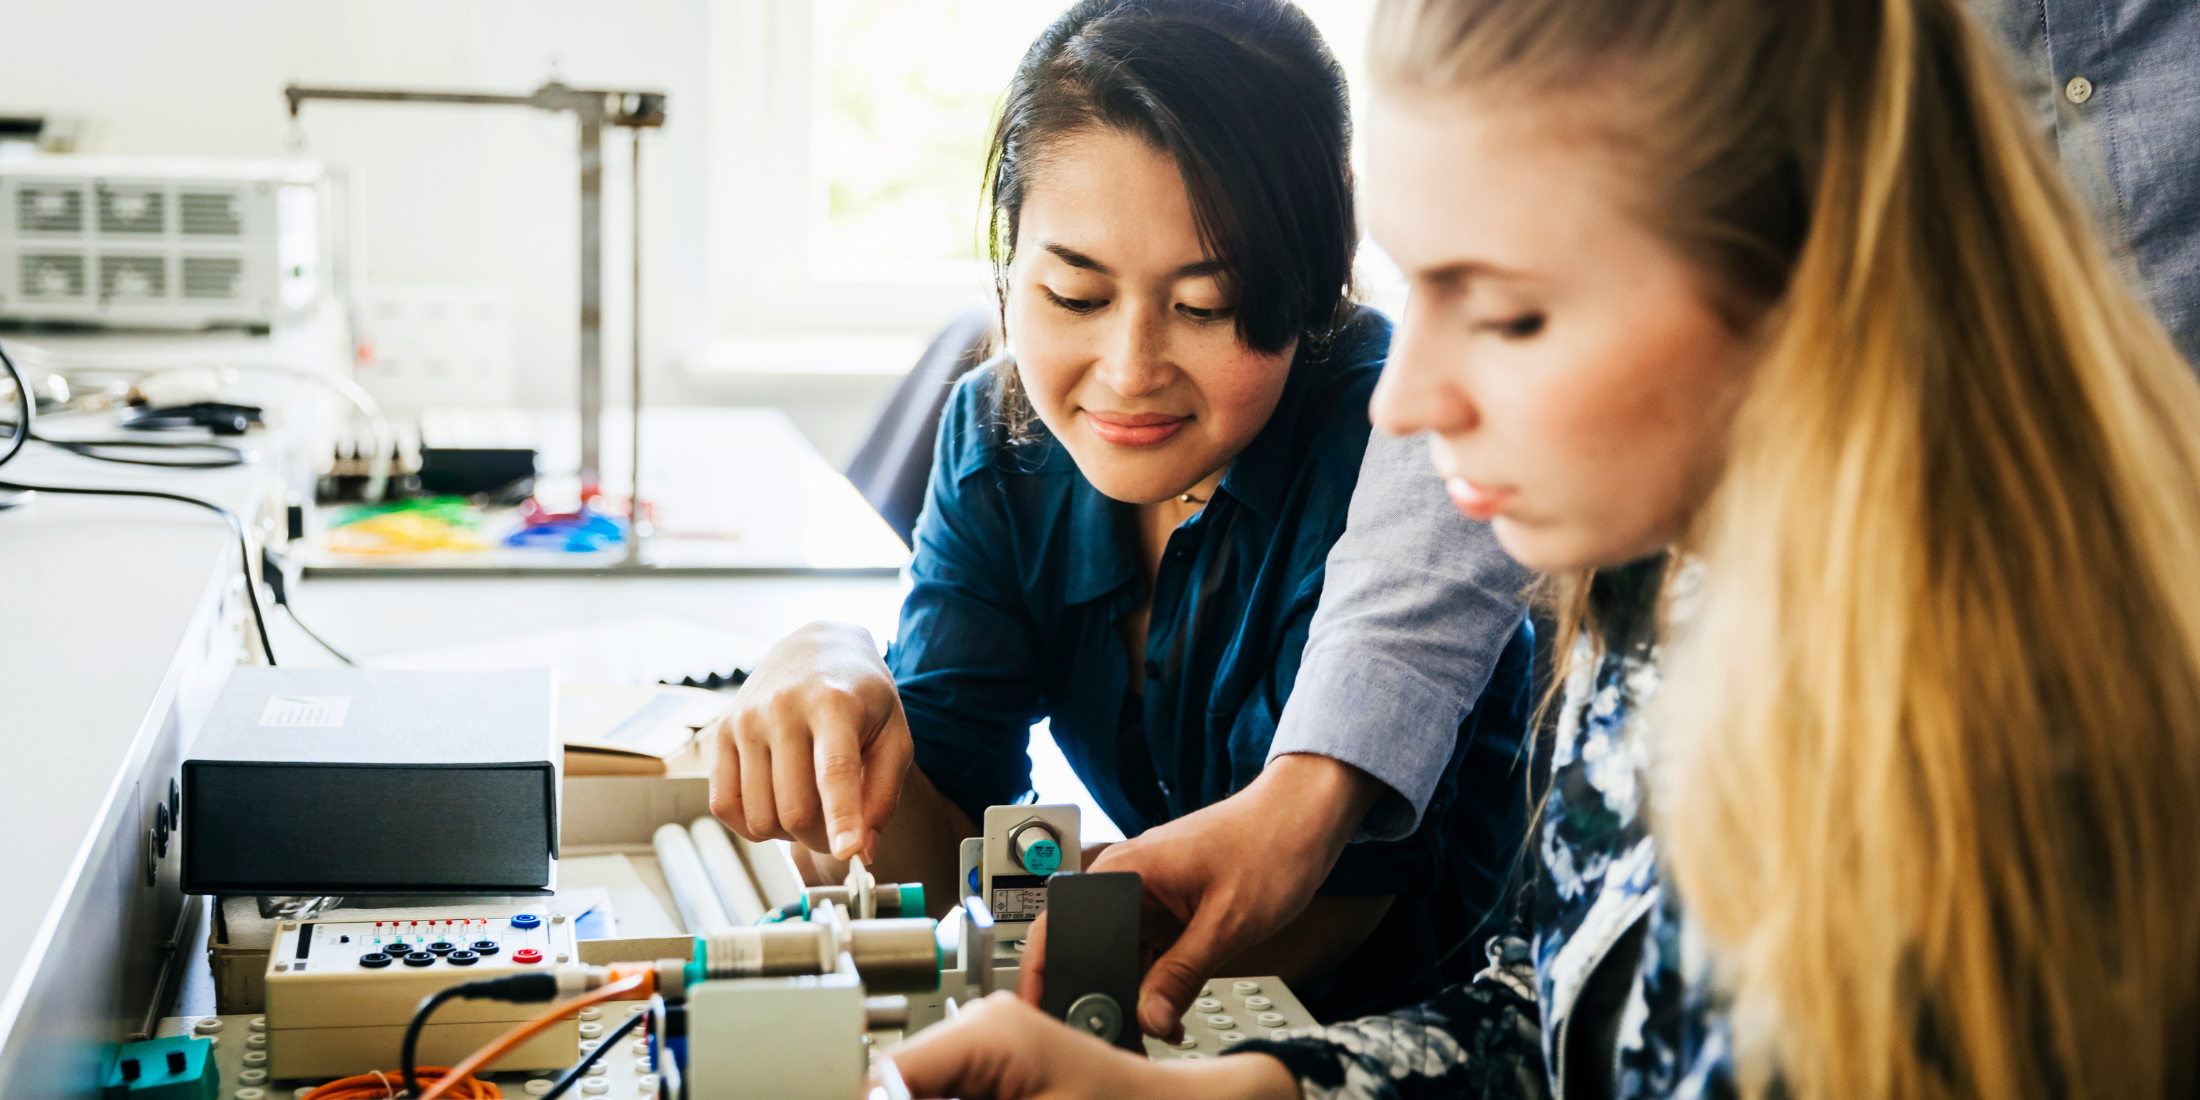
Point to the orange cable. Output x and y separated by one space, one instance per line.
382 1086
642 980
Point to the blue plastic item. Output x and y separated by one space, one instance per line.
179 1067
586 531
527 920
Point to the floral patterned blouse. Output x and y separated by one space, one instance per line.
1599 993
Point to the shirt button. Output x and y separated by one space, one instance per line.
2078 90
1153 670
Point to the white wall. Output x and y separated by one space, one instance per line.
444 193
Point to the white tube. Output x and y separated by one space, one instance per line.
691 889
773 864
728 876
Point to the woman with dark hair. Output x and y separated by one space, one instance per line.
1130 510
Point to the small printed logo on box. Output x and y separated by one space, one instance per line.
322 711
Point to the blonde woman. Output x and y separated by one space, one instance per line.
1871 494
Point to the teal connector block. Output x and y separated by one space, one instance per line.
179 1067
912 899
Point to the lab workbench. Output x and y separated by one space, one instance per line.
119 622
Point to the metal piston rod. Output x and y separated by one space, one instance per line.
595 109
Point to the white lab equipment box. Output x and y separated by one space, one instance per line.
169 243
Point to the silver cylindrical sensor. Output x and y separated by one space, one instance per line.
896 956
769 951
1037 847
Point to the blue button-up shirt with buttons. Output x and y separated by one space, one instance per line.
1023 571
2117 86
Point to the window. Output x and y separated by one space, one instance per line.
850 137
912 86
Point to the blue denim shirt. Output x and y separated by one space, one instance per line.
2116 84
1023 569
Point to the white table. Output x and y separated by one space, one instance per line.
120 620
735 492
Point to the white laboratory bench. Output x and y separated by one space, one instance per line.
119 622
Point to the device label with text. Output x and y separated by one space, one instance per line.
1019 897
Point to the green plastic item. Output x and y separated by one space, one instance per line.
179 1067
912 899
456 511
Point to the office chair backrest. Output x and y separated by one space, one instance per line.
895 461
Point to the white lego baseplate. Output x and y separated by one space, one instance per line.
240 1052
1232 1010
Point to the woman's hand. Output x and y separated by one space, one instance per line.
1003 1049
815 747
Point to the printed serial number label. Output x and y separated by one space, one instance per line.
1019 897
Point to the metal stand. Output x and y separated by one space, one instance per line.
595 109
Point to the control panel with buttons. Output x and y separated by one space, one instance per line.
339 994
1231 1010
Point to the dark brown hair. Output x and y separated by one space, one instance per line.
1246 98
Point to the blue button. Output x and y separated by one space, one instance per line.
527 920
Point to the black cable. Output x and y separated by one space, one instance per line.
323 642
244 549
572 1076
519 988
24 401
24 431
94 449
278 585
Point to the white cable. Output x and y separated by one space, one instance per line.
728 876
385 440
691 889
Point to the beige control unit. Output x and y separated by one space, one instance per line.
340 994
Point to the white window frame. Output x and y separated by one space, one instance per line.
774 309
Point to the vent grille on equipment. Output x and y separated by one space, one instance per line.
136 210
49 210
212 276
53 276
211 213
133 277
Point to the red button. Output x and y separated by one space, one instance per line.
527 955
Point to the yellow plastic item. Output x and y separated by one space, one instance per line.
402 533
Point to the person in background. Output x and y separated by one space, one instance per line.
1869 487
2115 87
1130 513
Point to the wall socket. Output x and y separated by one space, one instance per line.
426 344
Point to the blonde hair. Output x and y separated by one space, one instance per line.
1929 752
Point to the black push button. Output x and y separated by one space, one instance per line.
420 958
485 947
374 960
442 947
463 958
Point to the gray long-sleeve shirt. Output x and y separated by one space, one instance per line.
1418 604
